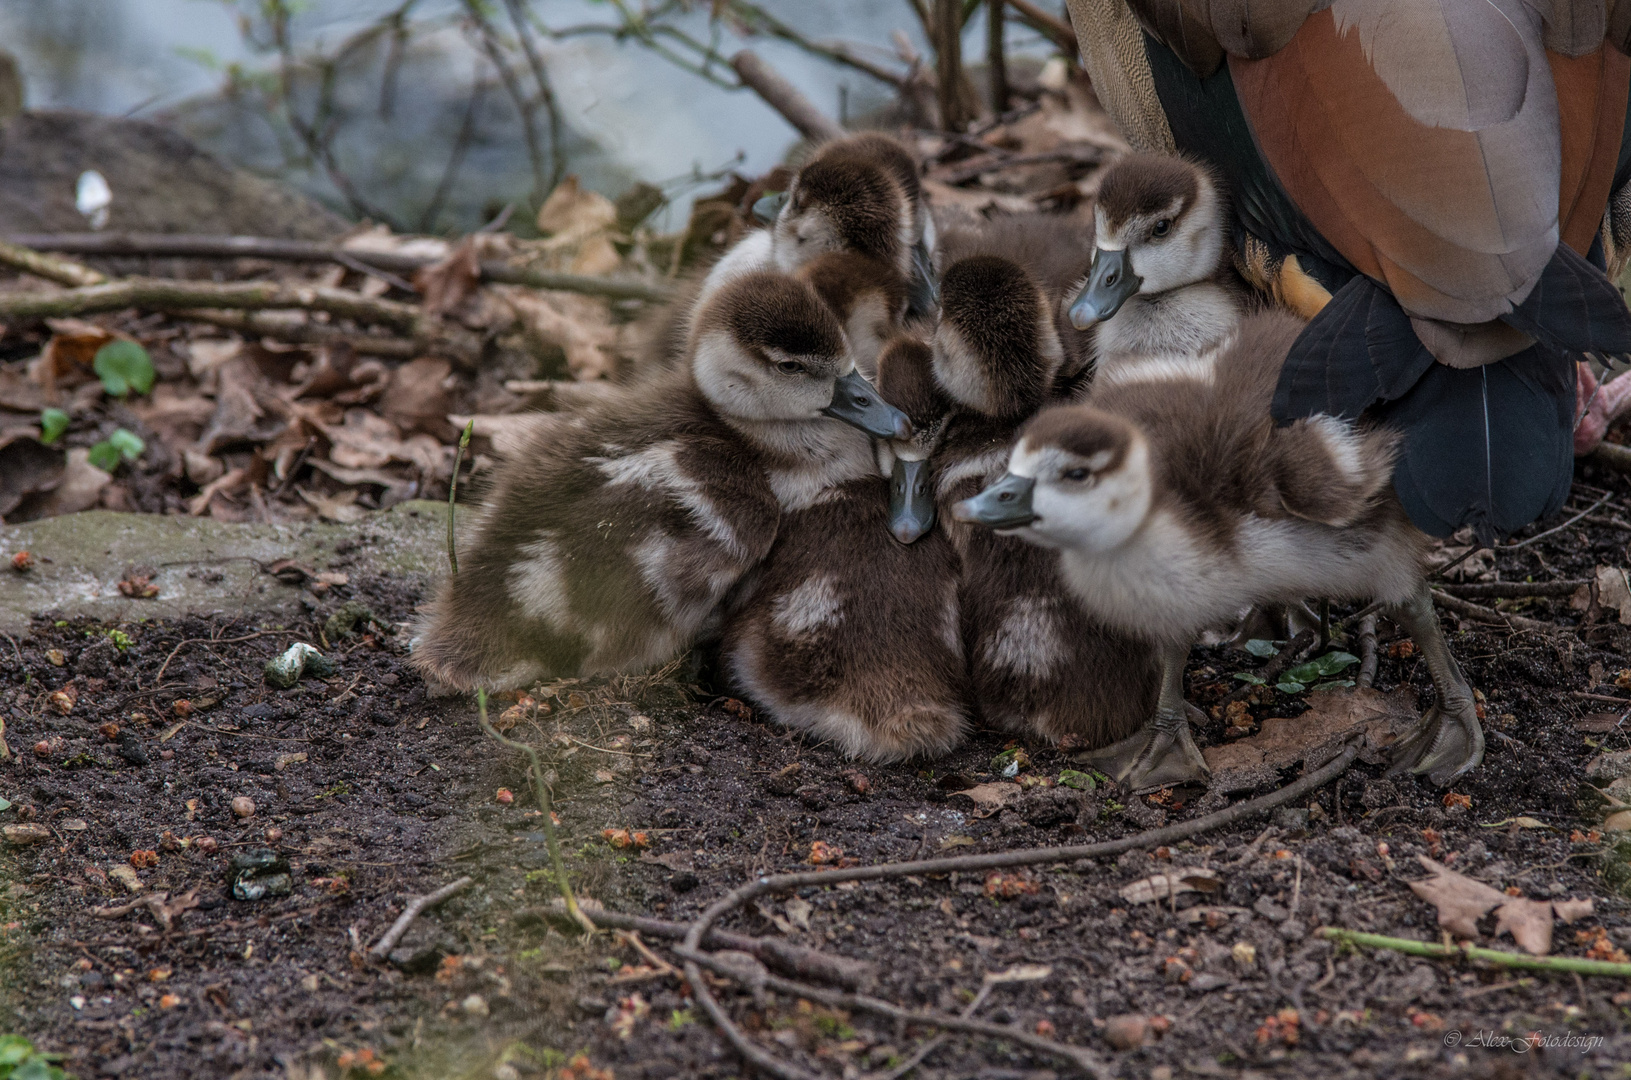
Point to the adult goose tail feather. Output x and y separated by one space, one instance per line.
1575 307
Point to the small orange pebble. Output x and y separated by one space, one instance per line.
822 853
1282 853
141 860
169 1001
63 701
618 838
182 707
1401 650
109 731
1045 1028
504 795
640 839
1453 798
158 974
22 562
1163 853
999 883
43 748
206 844
736 709
448 969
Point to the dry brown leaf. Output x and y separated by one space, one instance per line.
1460 900
246 410
990 798
571 212
340 506
580 326
66 359
1613 591
28 467
1570 910
224 484
1332 715
380 238
210 354
1528 921
20 393
1181 880
364 441
448 284
417 397
1019 973
80 489
175 414
396 488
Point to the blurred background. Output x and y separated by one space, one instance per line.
431 115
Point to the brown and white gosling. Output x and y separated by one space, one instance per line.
1175 504
1038 661
610 545
867 294
849 634
1162 288
859 194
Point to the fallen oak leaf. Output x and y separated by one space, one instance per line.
1462 901
991 797
1160 886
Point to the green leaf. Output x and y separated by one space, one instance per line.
130 445
1262 647
105 456
1248 677
53 422
1335 661
124 366
14 1049
1304 673
5 804
1288 685
1334 684
1081 781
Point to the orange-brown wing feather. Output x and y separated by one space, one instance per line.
1441 183
1591 99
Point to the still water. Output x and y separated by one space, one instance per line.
632 114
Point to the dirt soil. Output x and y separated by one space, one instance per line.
375 792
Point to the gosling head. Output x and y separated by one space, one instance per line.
906 381
766 348
1158 225
844 202
1078 479
996 350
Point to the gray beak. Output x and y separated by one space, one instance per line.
924 294
855 402
769 206
1006 504
911 503
1109 284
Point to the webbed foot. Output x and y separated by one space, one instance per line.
1160 754
1445 745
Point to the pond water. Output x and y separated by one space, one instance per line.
632 114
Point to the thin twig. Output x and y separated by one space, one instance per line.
1367 652
415 907
210 641
784 97
1082 1059
261 247
512 86
1511 590
452 495
60 271
163 294
1471 952
455 157
1479 611
1556 528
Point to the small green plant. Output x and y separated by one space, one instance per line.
53 422
20 1061
1081 781
122 445
124 366
120 639
342 788
1316 673
681 1018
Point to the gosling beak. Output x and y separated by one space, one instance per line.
769 206
1109 284
925 290
911 504
1006 504
855 402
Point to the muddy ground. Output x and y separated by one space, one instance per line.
375 792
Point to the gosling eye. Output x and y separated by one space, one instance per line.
1076 475
790 367
1161 228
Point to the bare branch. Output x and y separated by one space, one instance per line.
784 97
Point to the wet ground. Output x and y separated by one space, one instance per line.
374 792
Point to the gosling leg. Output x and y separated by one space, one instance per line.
1449 741
1161 753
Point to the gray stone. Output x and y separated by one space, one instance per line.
204 565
